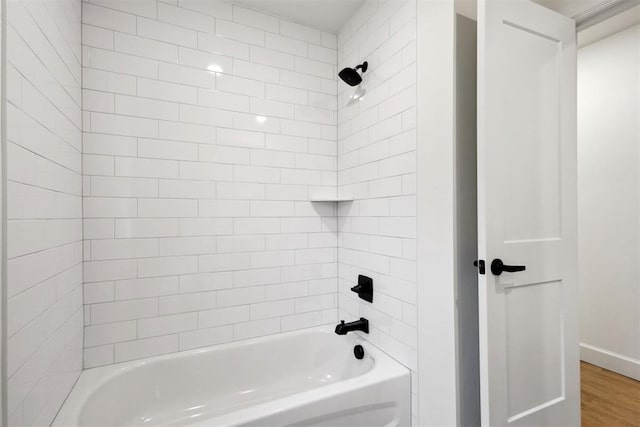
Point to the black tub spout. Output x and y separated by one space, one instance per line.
359 325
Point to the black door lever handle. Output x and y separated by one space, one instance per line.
497 267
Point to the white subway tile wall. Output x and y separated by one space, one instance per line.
44 207
377 164
207 128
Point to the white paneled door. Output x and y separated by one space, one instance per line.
527 215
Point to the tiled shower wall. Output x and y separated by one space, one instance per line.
44 207
207 128
377 164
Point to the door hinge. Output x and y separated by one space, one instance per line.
479 263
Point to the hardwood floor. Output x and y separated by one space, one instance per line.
608 399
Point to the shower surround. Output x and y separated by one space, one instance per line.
44 207
207 128
174 147
377 165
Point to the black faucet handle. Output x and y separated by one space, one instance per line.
364 288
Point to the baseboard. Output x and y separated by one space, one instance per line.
615 362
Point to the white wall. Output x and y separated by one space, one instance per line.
377 164
198 227
436 144
44 248
609 201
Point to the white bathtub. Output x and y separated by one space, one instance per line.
302 378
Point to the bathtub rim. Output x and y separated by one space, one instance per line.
384 368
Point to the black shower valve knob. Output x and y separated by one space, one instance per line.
364 288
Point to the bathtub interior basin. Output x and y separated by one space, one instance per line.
199 385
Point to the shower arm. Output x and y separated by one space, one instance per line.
362 67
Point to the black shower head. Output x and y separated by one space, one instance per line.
351 76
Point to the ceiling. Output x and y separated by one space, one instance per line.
570 8
331 15
619 22
325 15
